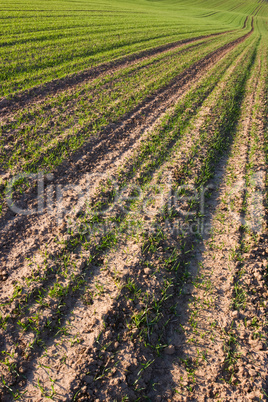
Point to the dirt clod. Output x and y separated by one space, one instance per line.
169 350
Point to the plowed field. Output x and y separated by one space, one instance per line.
133 200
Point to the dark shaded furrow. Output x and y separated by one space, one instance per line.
37 93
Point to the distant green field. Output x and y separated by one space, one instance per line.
44 40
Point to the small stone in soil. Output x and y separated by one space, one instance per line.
235 314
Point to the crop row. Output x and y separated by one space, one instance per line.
72 281
71 41
146 304
74 117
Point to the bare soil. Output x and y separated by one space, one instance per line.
163 315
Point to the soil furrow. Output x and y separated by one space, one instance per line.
99 167
207 341
38 93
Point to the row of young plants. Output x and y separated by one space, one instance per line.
252 227
52 136
168 260
109 239
70 40
225 221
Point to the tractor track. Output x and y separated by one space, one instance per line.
38 93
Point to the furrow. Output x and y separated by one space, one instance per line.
103 169
38 93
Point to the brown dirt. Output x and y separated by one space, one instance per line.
99 152
88 346
217 354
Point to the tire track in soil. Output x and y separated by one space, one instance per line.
36 94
